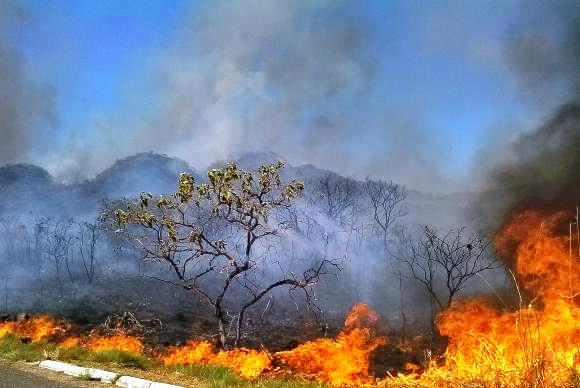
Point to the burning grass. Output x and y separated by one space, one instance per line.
33 329
340 361
535 345
538 345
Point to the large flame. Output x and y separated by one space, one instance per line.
539 343
117 341
340 361
35 328
247 362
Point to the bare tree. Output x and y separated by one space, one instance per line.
219 240
88 236
386 199
443 264
58 246
334 194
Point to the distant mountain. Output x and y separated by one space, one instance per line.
144 172
26 189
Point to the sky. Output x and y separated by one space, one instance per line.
420 92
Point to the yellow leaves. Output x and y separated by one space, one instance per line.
186 187
121 216
247 183
224 176
230 192
163 202
203 190
124 217
215 176
230 198
292 190
145 218
171 230
270 175
231 172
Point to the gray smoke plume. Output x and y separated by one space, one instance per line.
26 108
544 51
257 75
541 169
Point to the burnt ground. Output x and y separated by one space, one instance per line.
166 316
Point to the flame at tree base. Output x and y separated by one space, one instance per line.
344 360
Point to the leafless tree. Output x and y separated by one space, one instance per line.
58 244
386 199
334 194
88 236
444 264
219 239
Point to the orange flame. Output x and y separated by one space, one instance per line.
69 342
247 362
120 341
538 344
344 360
340 361
35 328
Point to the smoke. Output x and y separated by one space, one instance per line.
258 75
542 167
26 108
544 51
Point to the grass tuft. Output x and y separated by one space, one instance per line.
120 358
13 349
220 376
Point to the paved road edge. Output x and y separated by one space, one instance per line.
102 375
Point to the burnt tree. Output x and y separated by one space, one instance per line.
386 199
444 263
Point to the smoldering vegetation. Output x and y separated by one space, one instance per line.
60 254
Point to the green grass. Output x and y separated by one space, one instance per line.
219 376
121 358
13 349
73 353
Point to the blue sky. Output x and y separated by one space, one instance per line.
435 89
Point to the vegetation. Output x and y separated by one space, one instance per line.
218 239
12 348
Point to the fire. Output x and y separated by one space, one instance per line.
119 341
194 352
70 342
538 344
35 328
340 361
247 362
7 328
